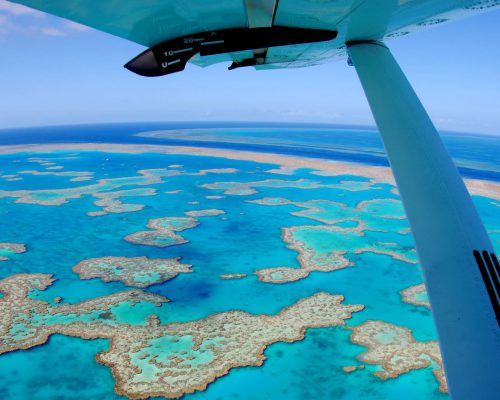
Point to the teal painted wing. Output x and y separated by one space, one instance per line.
150 22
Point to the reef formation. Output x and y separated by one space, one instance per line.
325 247
211 212
396 351
248 188
8 249
111 203
162 231
136 271
148 358
416 295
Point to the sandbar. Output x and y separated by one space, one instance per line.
233 276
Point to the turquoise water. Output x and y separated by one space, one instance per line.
58 237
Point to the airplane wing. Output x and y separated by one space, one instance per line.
155 22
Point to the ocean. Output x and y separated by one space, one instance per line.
45 208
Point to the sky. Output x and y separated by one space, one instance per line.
54 72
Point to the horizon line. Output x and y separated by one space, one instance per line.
240 124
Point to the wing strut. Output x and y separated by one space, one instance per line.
460 268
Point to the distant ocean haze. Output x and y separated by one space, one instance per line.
477 156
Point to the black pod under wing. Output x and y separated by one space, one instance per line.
171 56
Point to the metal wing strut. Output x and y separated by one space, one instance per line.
460 268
